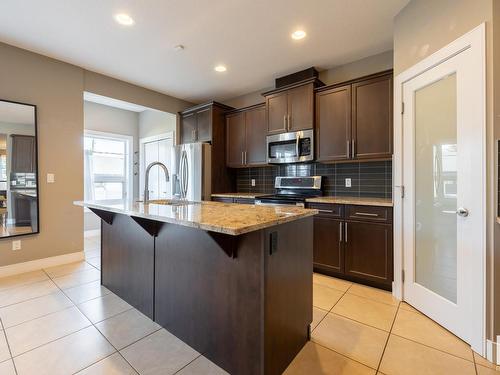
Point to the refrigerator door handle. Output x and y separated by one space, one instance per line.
185 174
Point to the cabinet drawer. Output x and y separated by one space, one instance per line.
244 200
328 210
223 200
377 214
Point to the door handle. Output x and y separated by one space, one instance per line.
345 237
340 231
297 146
461 211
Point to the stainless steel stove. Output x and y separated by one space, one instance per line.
292 191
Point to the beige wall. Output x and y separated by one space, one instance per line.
57 90
155 122
369 65
423 27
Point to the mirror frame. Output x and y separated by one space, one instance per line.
37 179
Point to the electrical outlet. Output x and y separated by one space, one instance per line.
347 182
16 245
51 178
253 181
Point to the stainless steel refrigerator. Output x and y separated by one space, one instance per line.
191 171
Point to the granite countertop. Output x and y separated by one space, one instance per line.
239 195
362 201
228 218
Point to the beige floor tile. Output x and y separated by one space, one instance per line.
374 294
78 278
125 328
202 366
33 308
484 362
331 282
482 370
367 311
35 333
67 269
22 279
352 339
407 307
105 307
95 262
318 315
315 359
159 354
7 368
4 349
65 356
86 292
325 297
112 365
418 327
27 292
405 357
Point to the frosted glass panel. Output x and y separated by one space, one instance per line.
436 187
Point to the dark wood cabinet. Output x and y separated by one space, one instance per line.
234 200
23 156
354 242
291 108
354 120
372 118
333 124
207 123
246 137
368 251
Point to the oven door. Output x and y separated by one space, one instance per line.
292 147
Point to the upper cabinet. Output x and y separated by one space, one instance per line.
23 158
246 137
197 123
354 121
290 109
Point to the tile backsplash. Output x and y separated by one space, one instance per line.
368 179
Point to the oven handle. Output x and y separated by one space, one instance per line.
260 203
297 146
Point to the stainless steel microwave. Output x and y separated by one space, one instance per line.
294 147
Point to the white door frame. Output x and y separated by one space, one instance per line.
473 39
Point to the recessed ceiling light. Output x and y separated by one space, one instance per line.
298 34
220 68
179 47
124 19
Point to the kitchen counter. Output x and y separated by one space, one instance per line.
361 201
239 195
227 218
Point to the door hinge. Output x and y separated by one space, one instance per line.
402 107
403 276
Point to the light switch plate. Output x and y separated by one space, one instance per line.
253 181
16 245
51 178
347 182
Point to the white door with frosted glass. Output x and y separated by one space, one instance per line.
443 209
156 150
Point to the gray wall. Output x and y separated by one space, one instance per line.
57 90
155 122
425 26
369 65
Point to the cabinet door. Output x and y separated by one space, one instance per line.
333 124
372 118
204 125
276 113
23 154
328 248
300 108
368 251
256 136
188 128
235 128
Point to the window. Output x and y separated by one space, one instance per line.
107 166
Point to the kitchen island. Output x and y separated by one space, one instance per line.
232 281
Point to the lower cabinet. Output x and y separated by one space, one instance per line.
354 243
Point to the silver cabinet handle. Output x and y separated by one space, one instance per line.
284 122
340 231
345 237
365 214
328 211
461 211
242 158
289 122
245 158
348 149
353 148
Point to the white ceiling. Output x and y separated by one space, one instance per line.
13 113
251 37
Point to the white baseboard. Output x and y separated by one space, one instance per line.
34 265
92 233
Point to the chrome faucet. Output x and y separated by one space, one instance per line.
146 179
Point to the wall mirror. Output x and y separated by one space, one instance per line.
18 169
